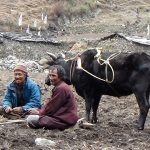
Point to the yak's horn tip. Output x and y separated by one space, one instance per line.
52 55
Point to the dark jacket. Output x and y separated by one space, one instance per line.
61 106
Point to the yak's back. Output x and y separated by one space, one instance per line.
130 60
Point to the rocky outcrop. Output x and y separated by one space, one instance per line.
9 63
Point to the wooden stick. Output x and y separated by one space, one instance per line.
12 121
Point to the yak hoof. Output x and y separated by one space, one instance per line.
140 128
94 121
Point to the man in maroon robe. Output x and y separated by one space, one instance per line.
60 112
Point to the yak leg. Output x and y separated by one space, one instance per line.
140 87
144 108
95 107
88 105
147 95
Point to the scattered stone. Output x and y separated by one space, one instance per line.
44 142
85 125
79 45
9 63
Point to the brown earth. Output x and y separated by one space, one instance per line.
116 127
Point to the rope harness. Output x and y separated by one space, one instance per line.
72 68
106 62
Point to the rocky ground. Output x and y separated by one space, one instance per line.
116 128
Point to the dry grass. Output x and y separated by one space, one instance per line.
32 11
56 9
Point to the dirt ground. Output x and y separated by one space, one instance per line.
115 129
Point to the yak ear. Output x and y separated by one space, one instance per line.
52 56
43 61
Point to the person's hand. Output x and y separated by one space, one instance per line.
17 110
34 111
8 109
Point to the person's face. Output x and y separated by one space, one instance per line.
19 76
53 76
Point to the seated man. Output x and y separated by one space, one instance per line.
21 94
60 111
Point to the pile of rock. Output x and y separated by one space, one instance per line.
9 63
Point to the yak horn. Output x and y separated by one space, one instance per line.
62 55
52 56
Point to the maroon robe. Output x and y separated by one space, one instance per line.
60 112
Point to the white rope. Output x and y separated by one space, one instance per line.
107 63
79 66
